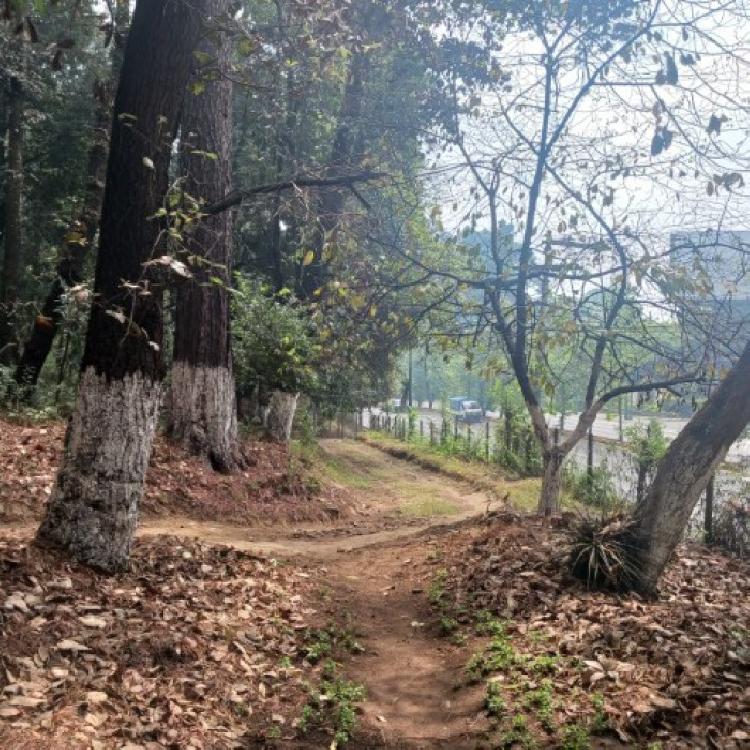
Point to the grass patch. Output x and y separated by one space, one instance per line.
333 705
523 494
427 507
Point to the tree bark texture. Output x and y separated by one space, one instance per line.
549 499
13 198
93 508
202 409
685 471
345 154
80 235
280 415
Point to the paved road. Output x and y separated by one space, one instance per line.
604 428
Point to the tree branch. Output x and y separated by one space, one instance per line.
239 196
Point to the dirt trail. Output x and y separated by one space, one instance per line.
408 673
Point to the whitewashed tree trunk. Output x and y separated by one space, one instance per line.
280 415
203 408
203 413
93 510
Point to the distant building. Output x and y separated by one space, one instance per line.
716 272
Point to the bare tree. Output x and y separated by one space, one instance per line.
587 135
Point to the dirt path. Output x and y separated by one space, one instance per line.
368 570
409 674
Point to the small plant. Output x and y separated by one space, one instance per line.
541 700
518 734
273 732
322 643
436 591
544 664
448 625
493 700
499 655
333 703
600 552
488 624
600 722
575 737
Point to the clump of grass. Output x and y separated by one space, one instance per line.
518 734
333 703
541 701
488 624
493 700
499 655
322 643
436 590
544 664
575 737
601 552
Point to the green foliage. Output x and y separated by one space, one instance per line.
274 342
600 551
493 700
333 704
325 642
499 655
540 700
575 737
647 443
594 489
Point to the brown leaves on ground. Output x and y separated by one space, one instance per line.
196 647
675 670
274 488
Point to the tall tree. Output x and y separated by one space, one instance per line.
93 510
11 268
80 234
530 140
202 409
685 471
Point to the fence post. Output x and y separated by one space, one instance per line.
421 428
468 436
432 433
455 428
487 442
508 429
590 456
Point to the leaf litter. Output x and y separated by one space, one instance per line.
674 671
196 647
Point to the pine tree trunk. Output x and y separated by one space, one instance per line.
549 500
345 153
685 471
93 509
13 231
80 235
202 409
76 248
280 416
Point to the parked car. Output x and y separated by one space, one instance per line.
466 410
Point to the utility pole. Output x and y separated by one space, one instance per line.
411 375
